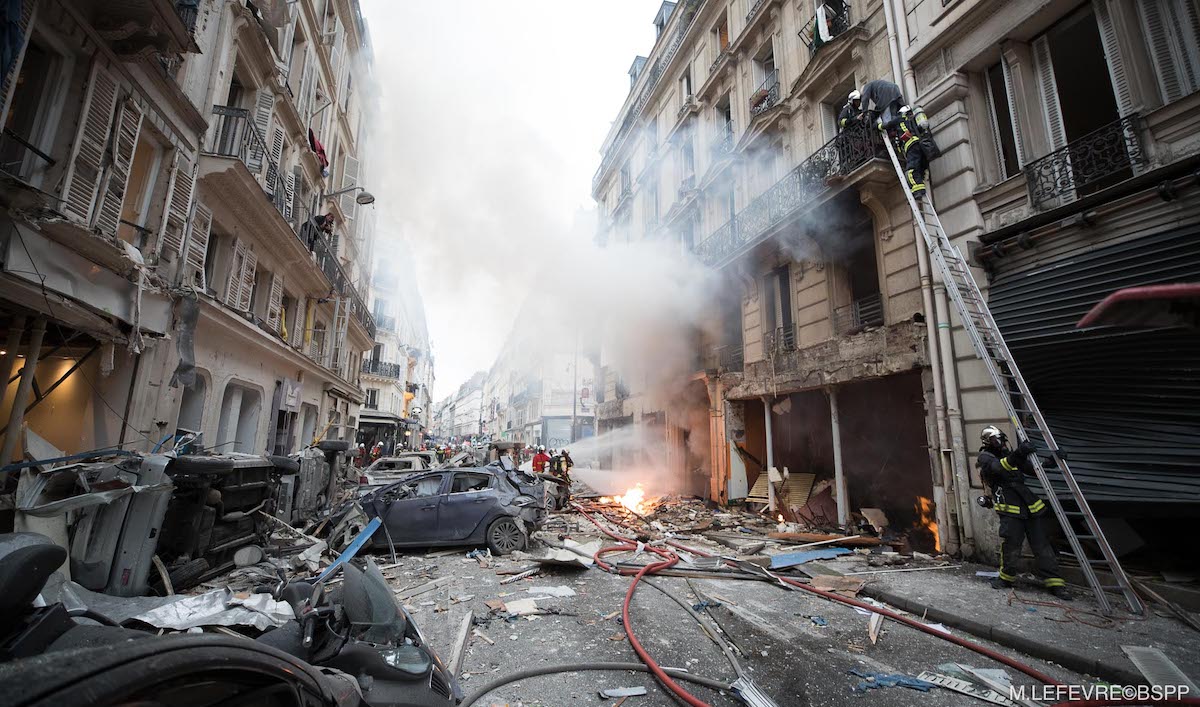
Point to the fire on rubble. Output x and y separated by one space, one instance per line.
634 499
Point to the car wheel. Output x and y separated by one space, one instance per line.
504 536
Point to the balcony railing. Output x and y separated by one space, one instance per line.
831 20
383 369
758 5
689 102
20 158
235 135
721 56
836 159
858 315
188 11
724 144
385 322
767 95
728 357
781 340
1097 160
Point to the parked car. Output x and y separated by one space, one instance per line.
388 469
471 506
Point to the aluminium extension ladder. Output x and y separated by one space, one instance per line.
1023 412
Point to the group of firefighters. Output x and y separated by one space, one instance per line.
882 102
557 463
1021 512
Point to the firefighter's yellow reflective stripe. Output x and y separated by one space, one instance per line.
842 122
1008 577
1006 508
908 143
1037 506
1054 582
1004 463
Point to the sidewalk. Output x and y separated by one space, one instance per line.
959 599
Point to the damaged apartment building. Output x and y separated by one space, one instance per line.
834 352
184 240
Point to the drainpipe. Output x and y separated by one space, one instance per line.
771 502
952 453
839 476
24 388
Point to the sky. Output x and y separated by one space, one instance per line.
489 121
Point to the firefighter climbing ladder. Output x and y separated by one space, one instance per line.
1024 413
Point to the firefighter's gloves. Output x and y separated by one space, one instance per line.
1024 449
879 124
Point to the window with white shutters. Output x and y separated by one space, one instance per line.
275 302
1113 56
264 103
1172 29
198 244
233 285
82 181
249 265
124 140
278 146
179 205
349 179
1048 91
289 189
24 22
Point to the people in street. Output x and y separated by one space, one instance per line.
1022 513
562 465
540 460
903 129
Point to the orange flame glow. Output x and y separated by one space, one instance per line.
634 499
927 520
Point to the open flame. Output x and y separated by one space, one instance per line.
634 499
927 520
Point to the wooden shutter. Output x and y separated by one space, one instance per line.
233 285
249 264
82 180
349 179
289 192
275 302
198 244
1112 54
123 144
263 105
28 12
1048 90
1010 93
304 100
298 326
297 207
335 46
276 158
1184 22
1161 52
179 205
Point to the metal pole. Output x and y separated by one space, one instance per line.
839 477
24 388
16 328
771 501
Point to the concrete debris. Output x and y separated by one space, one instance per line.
874 681
545 592
521 607
616 692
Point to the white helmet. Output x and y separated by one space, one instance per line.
854 96
542 448
992 436
903 110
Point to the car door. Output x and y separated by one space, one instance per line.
412 518
471 499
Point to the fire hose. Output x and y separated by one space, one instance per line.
671 559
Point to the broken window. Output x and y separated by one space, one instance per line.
1000 113
721 34
29 130
465 482
777 310
144 173
858 301
372 401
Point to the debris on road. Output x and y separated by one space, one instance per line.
874 681
615 692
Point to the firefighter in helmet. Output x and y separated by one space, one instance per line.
1022 513
908 136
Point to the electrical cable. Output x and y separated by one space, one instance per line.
580 667
708 630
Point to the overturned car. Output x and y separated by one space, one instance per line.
467 506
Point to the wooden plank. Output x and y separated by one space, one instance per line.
460 643
847 540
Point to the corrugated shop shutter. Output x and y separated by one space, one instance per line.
1124 402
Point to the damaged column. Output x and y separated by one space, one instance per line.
24 388
839 475
771 501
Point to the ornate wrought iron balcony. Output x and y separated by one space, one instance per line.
781 340
724 143
1099 159
835 159
383 369
188 11
721 56
727 357
831 20
859 314
767 95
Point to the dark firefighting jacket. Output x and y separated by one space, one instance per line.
1005 474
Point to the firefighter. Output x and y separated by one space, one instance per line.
540 460
851 112
883 98
916 162
1022 513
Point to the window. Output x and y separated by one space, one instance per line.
238 427
777 309
425 486
685 83
465 482
25 145
372 401
651 205
1172 28
210 261
191 407
144 172
721 34
1002 122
